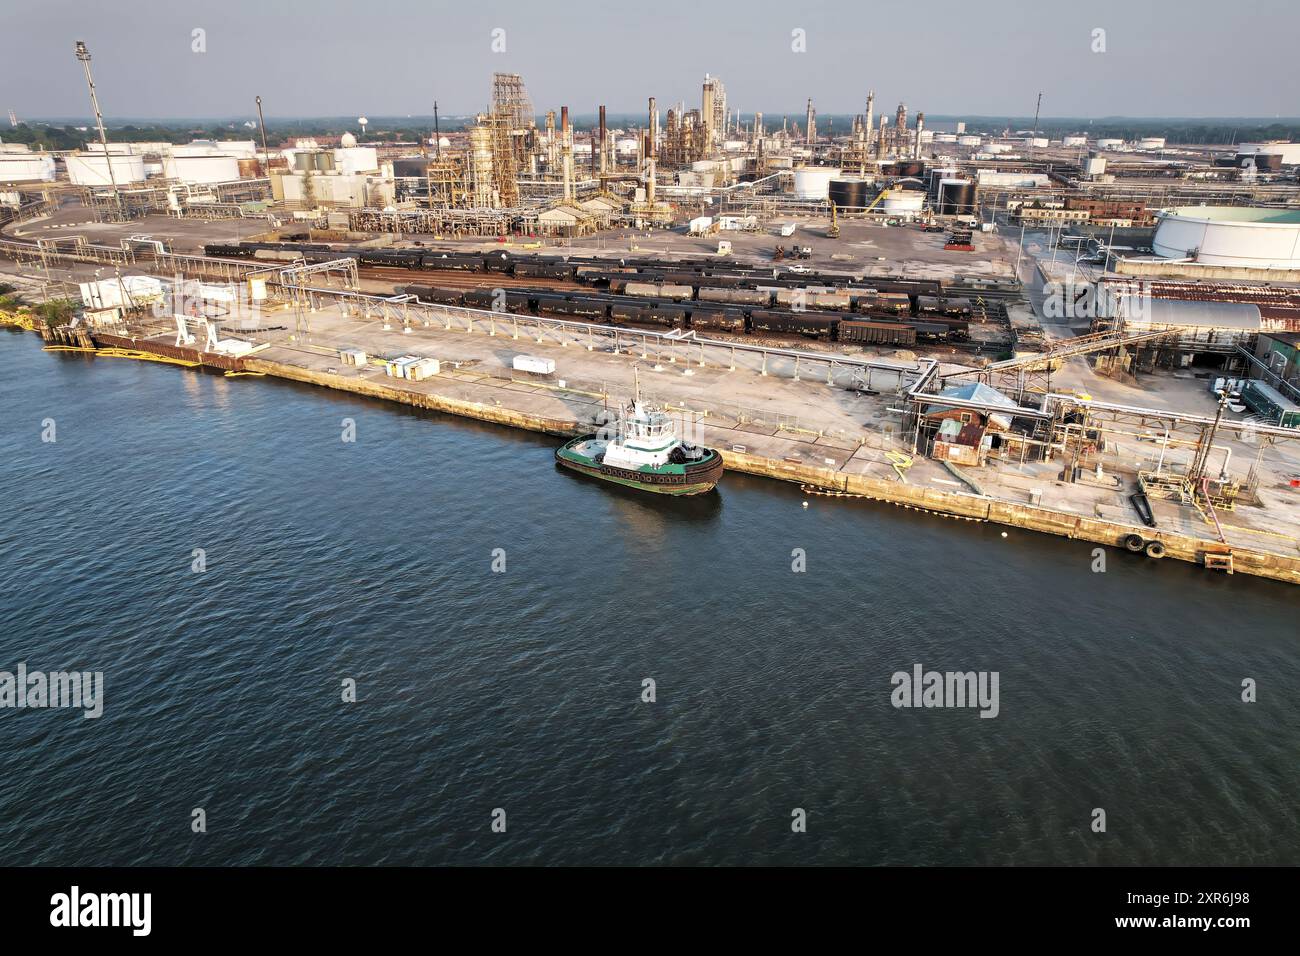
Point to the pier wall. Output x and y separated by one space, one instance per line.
826 480
954 504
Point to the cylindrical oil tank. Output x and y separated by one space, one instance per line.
813 182
902 201
851 193
1074 141
1109 143
89 169
26 167
956 197
968 140
1243 236
201 169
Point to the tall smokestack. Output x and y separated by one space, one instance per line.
550 142
566 136
871 110
812 124
602 140
883 135
706 111
920 125
651 152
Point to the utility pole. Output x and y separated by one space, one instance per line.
84 56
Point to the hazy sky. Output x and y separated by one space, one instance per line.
394 57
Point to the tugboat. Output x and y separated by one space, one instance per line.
646 454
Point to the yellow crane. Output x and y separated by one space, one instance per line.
834 231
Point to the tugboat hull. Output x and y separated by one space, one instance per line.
691 478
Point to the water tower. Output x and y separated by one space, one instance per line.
362 121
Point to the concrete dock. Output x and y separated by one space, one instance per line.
811 430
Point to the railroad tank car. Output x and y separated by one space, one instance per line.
722 280
483 299
548 302
441 261
387 257
883 303
931 305
498 260
437 296
670 315
519 303
931 331
627 312
876 333
543 269
677 292
587 308
760 297
814 298
219 251
810 324
717 320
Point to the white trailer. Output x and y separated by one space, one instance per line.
530 363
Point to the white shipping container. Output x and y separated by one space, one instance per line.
126 291
425 368
529 363
395 368
788 229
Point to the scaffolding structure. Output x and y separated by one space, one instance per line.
686 138
446 221
448 182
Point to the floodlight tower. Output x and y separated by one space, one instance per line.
84 56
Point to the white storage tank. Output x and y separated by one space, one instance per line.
1075 141
26 167
1151 142
999 147
201 168
90 170
1109 143
814 182
1241 236
968 140
902 201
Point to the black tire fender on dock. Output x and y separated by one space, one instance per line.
1135 542
1155 549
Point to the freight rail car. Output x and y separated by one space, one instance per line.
706 317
